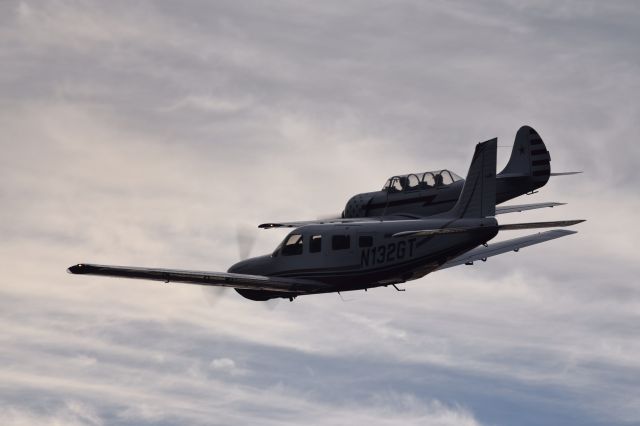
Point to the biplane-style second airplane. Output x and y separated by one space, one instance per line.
367 253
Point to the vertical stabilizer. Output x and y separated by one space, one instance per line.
529 158
478 197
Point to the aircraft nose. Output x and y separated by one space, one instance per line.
253 266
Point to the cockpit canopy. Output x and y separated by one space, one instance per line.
424 180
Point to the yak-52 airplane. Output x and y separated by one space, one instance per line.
366 253
416 195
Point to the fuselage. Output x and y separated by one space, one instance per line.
432 200
365 255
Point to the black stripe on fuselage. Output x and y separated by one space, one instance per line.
427 199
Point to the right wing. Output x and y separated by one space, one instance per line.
564 173
515 244
219 279
522 207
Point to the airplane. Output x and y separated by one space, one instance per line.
415 195
336 257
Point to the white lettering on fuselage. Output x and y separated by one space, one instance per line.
385 253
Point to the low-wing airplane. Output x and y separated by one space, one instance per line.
424 194
334 257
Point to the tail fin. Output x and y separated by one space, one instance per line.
529 158
478 197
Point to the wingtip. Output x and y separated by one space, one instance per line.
76 269
565 173
269 225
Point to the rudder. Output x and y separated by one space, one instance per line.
529 158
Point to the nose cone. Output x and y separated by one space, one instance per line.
254 266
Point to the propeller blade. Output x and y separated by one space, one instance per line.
271 304
213 295
246 238
328 216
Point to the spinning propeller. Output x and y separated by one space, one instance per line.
245 240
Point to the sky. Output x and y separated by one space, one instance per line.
148 133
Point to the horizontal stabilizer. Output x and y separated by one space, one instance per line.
533 225
522 207
219 279
515 244
565 173
429 232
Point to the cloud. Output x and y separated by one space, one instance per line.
143 134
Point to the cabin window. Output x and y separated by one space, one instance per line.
315 244
428 180
340 242
365 241
293 245
447 179
413 182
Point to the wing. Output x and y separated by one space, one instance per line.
220 279
296 224
523 207
515 244
532 225
506 227
564 173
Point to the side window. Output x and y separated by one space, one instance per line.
315 244
365 241
446 177
428 179
340 242
292 245
413 182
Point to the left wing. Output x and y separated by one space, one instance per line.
515 244
296 224
219 279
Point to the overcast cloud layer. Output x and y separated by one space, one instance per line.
145 133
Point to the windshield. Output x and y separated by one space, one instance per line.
423 180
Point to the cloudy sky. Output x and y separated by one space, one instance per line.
146 133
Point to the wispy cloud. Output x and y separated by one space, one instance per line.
144 133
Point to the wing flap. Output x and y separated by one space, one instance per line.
219 279
515 244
